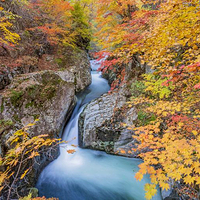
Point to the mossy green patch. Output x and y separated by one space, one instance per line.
2 106
30 104
27 33
16 118
15 97
59 61
49 92
52 79
37 94
137 88
145 118
5 123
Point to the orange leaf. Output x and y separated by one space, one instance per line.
71 151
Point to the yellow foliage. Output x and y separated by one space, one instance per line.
7 36
150 190
24 149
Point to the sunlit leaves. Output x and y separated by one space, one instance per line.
155 86
171 143
24 174
63 23
174 153
167 40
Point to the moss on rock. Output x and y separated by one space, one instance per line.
15 97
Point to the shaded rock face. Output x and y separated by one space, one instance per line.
82 72
100 124
78 64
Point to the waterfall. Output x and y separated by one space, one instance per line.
88 174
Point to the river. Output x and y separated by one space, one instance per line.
88 174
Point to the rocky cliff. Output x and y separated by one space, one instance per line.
101 124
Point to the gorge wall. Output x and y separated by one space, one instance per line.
101 122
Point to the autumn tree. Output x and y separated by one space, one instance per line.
7 35
165 35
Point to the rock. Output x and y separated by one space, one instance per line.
27 120
80 67
5 79
42 95
100 125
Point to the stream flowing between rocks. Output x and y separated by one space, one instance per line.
89 174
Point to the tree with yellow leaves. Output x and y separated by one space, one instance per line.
165 35
6 35
19 160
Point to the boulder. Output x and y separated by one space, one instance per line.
100 125
41 95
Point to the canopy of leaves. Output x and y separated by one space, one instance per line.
58 21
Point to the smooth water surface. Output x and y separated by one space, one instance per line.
88 174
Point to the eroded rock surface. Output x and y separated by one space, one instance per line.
102 122
101 127
41 95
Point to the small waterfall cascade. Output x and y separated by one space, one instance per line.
88 174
